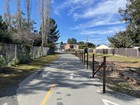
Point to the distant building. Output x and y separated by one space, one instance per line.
59 47
102 47
71 46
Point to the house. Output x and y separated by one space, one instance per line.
102 49
71 46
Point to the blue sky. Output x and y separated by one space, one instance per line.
82 19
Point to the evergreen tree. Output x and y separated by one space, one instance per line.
54 33
4 35
3 26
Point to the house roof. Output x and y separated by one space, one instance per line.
102 47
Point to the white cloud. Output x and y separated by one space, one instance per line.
99 21
73 5
92 13
107 7
107 31
52 1
98 41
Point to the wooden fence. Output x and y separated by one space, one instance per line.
128 52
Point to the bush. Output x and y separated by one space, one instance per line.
13 62
2 61
5 37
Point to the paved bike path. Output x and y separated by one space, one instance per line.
67 82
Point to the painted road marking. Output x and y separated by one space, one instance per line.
107 102
45 75
48 94
5 104
99 89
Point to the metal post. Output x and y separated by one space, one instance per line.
80 56
84 58
104 74
75 53
15 51
87 59
93 66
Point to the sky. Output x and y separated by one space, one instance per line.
86 20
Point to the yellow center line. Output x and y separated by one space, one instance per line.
48 94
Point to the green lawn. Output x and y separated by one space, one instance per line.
21 71
117 58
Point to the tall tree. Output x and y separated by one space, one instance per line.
4 34
90 45
54 33
72 41
7 15
28 9
18 15
131 15
81 44
121 40
3 26
44 10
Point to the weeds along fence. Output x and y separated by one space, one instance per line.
90 50
11 54
128 52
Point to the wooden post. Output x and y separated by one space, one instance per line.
93 66
104 74
80 56
84 58
87 59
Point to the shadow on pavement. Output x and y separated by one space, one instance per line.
62 67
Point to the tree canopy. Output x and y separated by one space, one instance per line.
52 35
4 34
72 41
131 36
19 28
83 45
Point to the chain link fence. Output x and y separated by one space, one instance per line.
11 53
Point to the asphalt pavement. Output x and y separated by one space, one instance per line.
65 82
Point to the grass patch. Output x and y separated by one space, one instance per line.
126 59
123 59
37 63
21 71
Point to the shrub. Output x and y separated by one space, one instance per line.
2 61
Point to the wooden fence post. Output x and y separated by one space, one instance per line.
15 51
84 58
87 59
104 74
93 66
